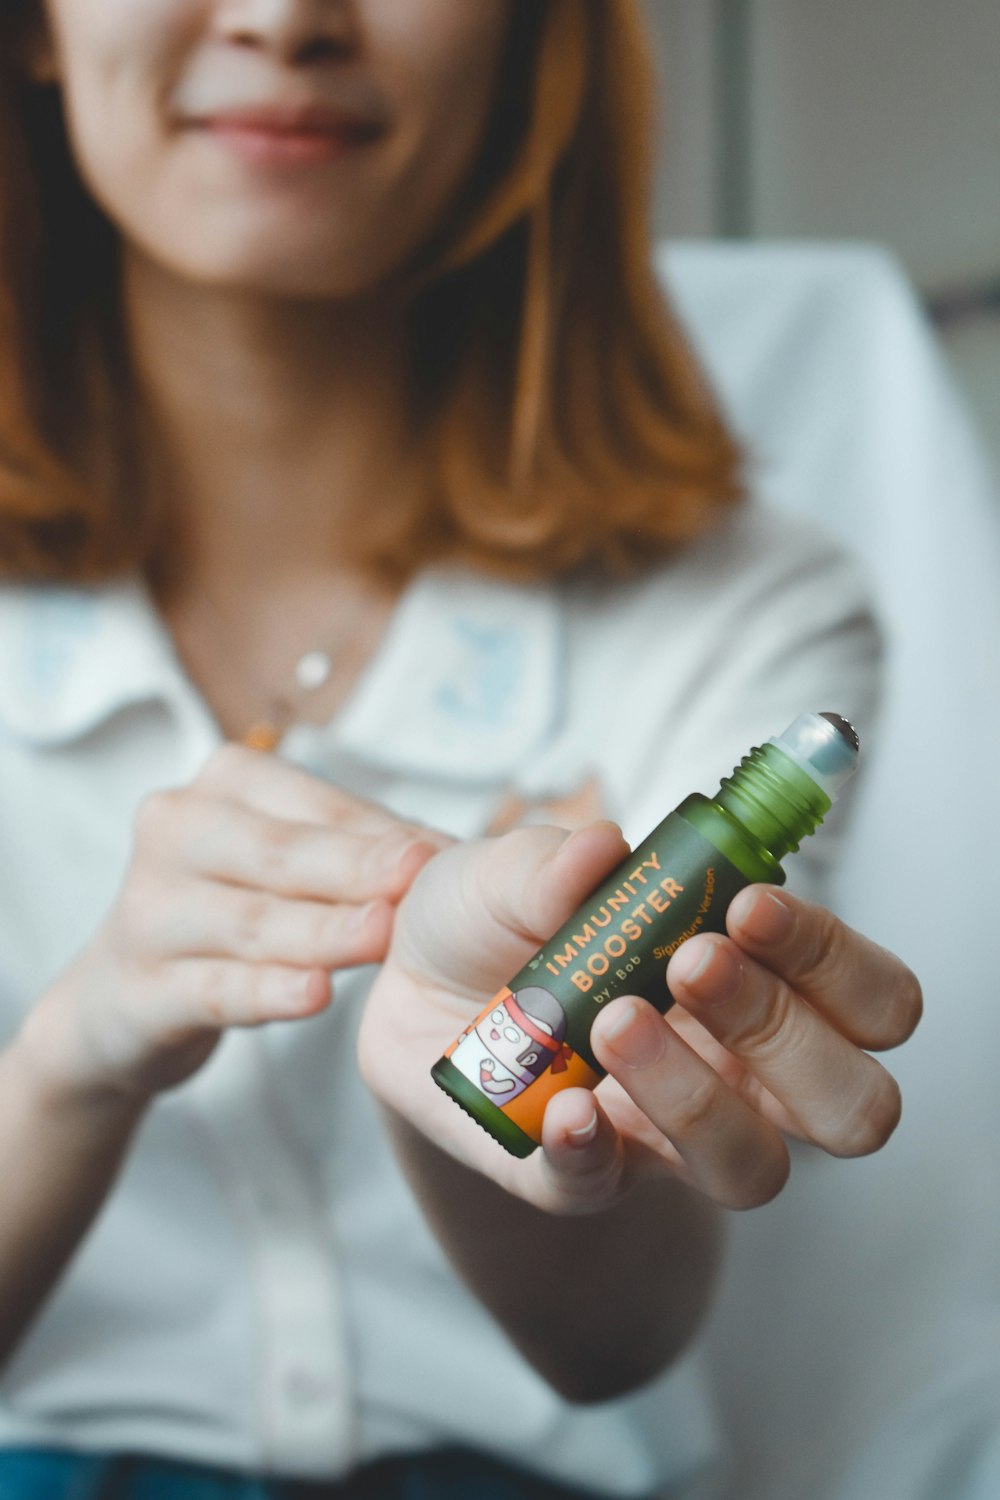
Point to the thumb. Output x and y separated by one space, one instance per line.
535 878
477 912
583 1160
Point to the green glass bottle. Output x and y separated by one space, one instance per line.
534 1037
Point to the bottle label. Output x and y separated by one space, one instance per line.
534 1037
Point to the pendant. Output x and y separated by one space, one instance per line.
262 736
268 733
312 670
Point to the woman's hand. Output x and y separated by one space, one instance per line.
245 889
766 1040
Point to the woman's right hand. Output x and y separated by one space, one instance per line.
245 890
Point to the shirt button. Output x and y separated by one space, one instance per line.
308 1388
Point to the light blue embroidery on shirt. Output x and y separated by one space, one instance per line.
488 678
57 624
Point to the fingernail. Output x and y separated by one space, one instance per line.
713 972
396 857
636 1035
410 859
765 916
584 1134
361 914
297 992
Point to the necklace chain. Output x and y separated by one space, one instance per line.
282 705
311 672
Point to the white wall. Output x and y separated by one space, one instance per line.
686 189
868 119
880 118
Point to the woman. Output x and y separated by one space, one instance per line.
341 417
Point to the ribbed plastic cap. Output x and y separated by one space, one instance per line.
825 746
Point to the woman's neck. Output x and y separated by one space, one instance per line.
272 428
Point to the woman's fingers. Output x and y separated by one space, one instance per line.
208 920
480 909
787 1008
245 890
865 991
728 1151
278 789
841 1098
534 878
224 841
217 992
582 1161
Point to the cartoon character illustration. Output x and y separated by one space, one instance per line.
513 1042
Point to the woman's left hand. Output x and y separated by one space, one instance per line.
769 1038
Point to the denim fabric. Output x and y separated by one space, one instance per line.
447 1474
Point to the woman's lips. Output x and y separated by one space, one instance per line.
279 143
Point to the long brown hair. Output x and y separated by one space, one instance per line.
567 422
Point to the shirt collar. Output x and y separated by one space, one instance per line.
465 680
70 657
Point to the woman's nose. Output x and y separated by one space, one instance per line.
294 30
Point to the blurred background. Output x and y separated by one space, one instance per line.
863 119
855 1349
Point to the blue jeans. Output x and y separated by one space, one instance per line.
445 1474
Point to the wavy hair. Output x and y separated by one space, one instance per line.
567 423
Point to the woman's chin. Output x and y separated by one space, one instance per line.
272 269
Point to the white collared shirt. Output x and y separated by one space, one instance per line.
261 1289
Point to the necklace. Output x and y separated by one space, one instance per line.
216 646
310 673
